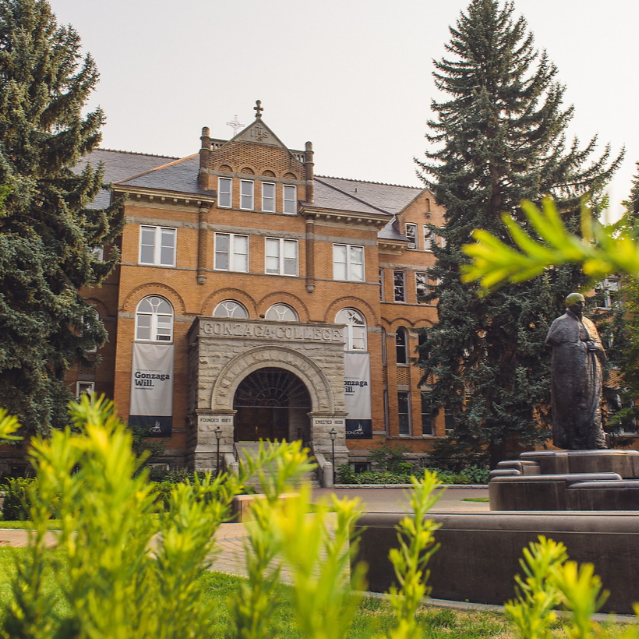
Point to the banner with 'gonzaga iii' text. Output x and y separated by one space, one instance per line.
357 395
152 389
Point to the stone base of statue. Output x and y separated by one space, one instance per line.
567 480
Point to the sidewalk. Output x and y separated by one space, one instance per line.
230 537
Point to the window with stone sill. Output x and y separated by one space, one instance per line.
411 234
401 345
428 415
268 197
231 252
84 388
348 262
157 245
225 192
399 286
290 199
403 411
281 256
247 195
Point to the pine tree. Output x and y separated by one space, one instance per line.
621 329
47 233
498 139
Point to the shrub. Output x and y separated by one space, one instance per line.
16 502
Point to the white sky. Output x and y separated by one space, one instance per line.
352 76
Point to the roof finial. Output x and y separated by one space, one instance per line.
258 109
235 125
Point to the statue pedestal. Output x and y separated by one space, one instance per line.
567 480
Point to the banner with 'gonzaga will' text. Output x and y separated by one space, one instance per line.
152 389
357 395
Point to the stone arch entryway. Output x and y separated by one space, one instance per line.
272 404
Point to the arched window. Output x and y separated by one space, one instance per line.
355 332
154 320
401 342
230 308
282 313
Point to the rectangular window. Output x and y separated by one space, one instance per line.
281 256
231 252
429 239
157 245
98 253
381 284
427 414
82 388
399 286
449 420
421 287
225 192
247 195
411 234
386 414
290 199
268 197
403 410
348 262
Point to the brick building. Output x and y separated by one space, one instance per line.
255 299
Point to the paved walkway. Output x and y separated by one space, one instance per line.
230 537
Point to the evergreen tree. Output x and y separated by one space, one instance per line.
498 139
47 233
621 329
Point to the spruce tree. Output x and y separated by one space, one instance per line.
499 138
47 233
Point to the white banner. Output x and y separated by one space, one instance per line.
357 395
152 388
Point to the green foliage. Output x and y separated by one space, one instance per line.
15 506
601 250
550 581
47 228
416 547
391 459
470 475
122 570
498 138
8 426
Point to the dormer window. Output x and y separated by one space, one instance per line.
290 199
247 195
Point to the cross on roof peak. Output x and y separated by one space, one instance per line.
258 109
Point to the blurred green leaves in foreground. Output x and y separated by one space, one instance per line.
601 249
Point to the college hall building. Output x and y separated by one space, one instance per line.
257 300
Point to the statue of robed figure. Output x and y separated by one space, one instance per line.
578 360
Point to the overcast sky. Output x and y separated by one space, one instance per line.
352 76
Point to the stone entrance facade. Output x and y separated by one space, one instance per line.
224 351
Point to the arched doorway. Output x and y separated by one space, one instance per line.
271 403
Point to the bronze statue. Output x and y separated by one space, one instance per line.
578 359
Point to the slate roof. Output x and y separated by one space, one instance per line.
119 165
179 175
389 198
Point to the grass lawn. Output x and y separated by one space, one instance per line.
374 619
